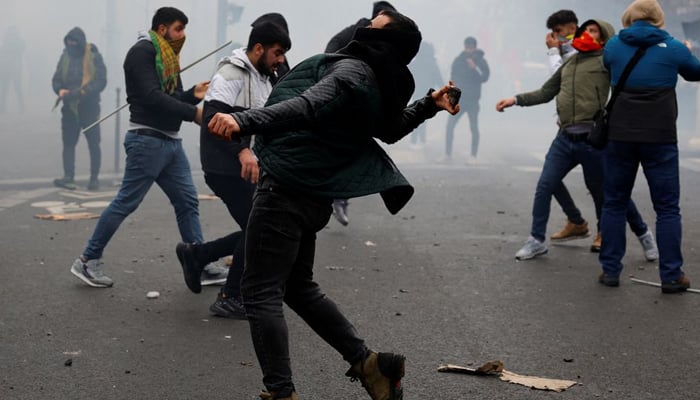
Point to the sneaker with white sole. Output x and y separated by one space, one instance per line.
91 272
214 274
531 249
651 252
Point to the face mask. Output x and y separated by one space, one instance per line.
585 43
74 50
565 38
176 45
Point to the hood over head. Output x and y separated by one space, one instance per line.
78 36
380 6
607 31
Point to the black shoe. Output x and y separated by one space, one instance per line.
609 280
65 183
681 285
227 307
94 184
191 269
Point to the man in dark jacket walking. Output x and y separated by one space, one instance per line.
154 153
79 78
316 141
469 71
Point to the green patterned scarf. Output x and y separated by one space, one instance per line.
167 61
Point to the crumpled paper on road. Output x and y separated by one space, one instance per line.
495 368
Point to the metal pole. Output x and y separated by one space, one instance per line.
117 134
99 121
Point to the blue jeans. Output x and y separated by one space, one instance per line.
563 156
148 160
660 165
279 256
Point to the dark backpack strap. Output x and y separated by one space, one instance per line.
625 74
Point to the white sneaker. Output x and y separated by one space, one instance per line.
651 252
214 274
532 249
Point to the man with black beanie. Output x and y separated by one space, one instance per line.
241 82
315 139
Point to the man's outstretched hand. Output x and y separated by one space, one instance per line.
224 125
442 100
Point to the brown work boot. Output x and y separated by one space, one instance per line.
380 374
571 232
680 285
595 247
265 395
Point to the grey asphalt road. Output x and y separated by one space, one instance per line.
437 282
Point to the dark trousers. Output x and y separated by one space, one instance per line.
280 246
660 165
237 195
563 156
472 109
71 124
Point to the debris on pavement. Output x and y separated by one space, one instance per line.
370 243
495 368
67 217
152 295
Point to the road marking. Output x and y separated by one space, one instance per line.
23 197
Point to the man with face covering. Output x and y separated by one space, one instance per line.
315 139
581 89
337 42
79 78
154 153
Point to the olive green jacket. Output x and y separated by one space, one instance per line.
581 86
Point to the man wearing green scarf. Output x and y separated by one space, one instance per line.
154 154
79 78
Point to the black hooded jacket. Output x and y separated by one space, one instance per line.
470 79
342 38
316 133
73 77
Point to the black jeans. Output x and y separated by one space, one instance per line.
280 246
237 194
472 109
71 124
